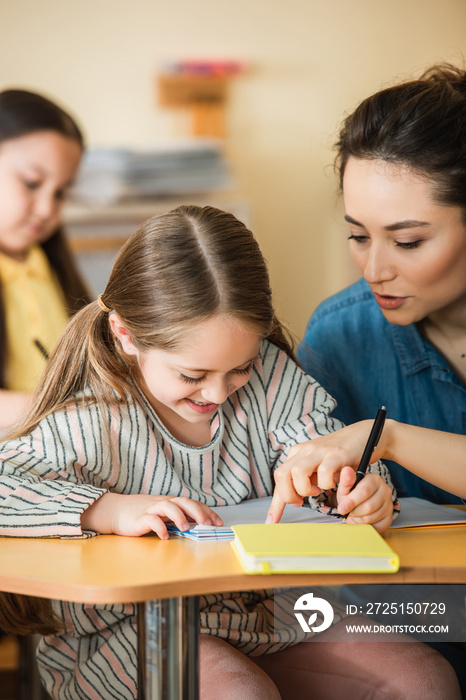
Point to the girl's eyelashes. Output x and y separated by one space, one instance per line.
245 370
192 380
198 380
60 195
31 184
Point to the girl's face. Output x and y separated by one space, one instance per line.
35 173
186 387
411 250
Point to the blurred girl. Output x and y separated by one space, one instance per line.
40 150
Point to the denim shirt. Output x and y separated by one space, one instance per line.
365 362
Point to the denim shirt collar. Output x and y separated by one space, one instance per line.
411 349
416 353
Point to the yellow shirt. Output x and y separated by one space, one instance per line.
35 310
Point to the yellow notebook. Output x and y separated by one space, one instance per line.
313 547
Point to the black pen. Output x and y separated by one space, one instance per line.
371 444
41 348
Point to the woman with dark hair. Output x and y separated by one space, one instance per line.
398 336
40 150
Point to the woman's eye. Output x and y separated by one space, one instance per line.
409 245
191 380
357 239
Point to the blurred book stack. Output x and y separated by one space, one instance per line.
110 175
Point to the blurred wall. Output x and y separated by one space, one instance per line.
309 63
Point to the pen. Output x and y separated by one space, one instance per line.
374 438
41 348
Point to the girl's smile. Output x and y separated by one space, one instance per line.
200 407
186 386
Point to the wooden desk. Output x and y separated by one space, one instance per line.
166 577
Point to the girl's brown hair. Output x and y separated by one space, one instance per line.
176 271
21 113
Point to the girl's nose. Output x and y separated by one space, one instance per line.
216 390
45 206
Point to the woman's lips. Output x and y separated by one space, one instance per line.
202 408
389 302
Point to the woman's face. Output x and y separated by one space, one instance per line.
410 250
35 173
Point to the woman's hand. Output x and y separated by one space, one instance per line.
135 515
314 466
325 462
370 502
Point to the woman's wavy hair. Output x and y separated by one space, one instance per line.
177 270
22 113
420 124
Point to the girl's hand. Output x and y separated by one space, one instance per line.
135 515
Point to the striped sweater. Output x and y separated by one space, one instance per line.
50 476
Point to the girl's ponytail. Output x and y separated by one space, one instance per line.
85 357
21 614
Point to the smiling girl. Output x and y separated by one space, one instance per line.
398 336
40 150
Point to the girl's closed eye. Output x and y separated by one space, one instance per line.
60 195
198 380
245 370
31 184
192 380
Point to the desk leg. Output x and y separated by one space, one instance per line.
168 664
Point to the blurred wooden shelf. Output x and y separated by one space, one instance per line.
183 90
205 97
106 226
9 668
9 653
